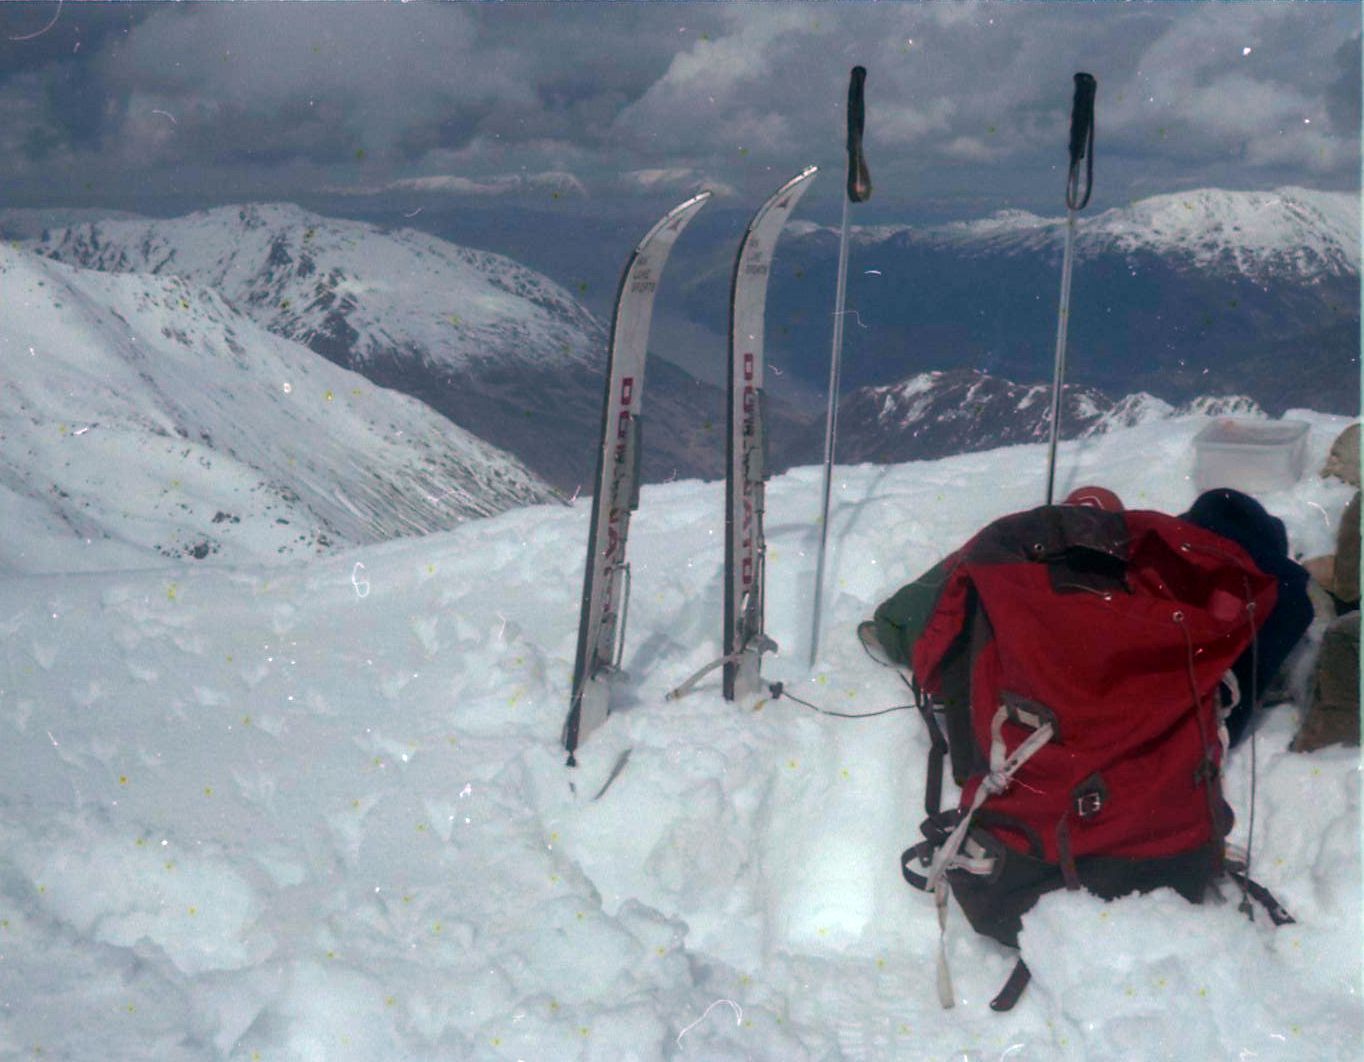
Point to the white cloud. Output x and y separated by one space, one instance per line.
971 149
1198 93
555 183
681 180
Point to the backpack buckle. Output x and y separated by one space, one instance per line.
1090 797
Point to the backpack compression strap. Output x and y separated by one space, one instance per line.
937 752
1002 770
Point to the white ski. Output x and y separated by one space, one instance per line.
606 580
745 639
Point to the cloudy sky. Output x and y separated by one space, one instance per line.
594 107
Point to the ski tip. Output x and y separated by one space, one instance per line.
694 201
676 219
802 178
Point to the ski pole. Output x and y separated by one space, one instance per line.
1081 147
859 191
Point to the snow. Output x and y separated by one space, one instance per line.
146 419
1294 231
319 810
291 271
1305 231
897 400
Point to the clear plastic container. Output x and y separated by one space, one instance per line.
1255 456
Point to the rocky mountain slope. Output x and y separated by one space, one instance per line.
935 414
1288 232
1205 292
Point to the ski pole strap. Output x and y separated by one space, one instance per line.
859 179
686 687
1081 141
937 753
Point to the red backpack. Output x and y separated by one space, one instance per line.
1072 666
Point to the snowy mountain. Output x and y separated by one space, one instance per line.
1178 297
144 418
1262 235
276 813
30 223
349 290
501 350
935 414
1205 292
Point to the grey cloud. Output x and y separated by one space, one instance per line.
379 70
966 102
36 35
1343 95
994 80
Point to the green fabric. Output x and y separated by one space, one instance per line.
901 618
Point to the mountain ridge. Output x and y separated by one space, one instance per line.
495 347
300 274
1180 308
1252 233
936 414
136 401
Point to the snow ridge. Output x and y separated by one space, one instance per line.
934 414
349 289
1291 231
149 419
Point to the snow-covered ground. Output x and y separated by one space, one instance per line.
320 811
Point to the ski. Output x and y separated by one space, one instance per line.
606 578
745 639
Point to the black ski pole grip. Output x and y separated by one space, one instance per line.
859 180
1081 143
1082 116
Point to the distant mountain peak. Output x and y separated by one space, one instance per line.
1297 230
935 414
350 290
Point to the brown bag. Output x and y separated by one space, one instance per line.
1333 715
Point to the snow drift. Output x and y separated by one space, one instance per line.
320 811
